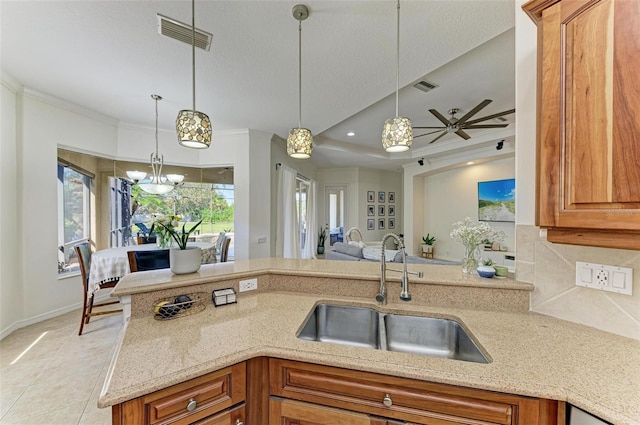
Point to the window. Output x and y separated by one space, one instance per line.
302 189
74 213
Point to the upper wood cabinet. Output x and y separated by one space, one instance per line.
588 124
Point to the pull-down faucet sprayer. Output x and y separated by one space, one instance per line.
405 295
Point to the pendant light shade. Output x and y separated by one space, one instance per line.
193 127
300 140
397 133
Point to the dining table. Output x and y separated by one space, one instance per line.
111 264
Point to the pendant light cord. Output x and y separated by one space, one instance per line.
156 99
193 52
397 57
299 73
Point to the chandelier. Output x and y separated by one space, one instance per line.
156 184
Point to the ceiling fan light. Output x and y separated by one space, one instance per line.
397 134
299 143
194 129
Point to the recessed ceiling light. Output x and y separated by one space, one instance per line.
351 134
470 163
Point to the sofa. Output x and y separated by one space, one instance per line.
355 251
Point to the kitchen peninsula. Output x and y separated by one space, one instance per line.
253 342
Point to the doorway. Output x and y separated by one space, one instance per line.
335 213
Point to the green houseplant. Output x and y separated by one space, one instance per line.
427 243
322 237
184 259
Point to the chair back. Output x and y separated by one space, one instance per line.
224 254
140 261
83 251
146 239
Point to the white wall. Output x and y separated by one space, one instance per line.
452 195
10 242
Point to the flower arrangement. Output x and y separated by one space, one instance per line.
471 234
161 225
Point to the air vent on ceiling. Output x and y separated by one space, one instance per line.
182 32
424 86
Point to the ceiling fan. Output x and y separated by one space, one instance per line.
457 125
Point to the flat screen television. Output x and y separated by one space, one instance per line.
497 200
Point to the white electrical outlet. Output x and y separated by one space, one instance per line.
606 278
248 285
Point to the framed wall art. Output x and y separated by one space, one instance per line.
371 210
380 209
371 196
392 210
392 223
497 200
392 197
380 223
370 224
381 197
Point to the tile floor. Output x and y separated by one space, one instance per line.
58 380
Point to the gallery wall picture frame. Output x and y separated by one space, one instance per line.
381 197
371 196
371 224
381 224
392 210
392 197
381 210
392 223
371 210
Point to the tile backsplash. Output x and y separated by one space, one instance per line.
552 269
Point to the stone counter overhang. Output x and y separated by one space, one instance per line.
531 354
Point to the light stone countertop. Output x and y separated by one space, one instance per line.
532 354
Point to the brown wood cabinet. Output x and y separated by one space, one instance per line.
588 124
283 392
198 400
402 400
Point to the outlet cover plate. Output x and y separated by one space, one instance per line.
604 277
248 285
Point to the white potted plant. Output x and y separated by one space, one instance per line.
427 244
183 259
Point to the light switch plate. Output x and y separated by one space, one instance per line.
604 277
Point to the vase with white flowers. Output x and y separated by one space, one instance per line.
160 225
470 234
184 259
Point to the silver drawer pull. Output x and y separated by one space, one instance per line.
191 406
387 400
239 422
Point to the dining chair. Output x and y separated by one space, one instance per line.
140 261
83 251
142 240
224 254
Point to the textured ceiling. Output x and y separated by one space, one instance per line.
108 56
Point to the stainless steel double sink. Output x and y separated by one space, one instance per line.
367 327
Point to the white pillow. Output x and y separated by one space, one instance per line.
359 244
375 253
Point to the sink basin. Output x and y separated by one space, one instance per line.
431 337
367 327
338 324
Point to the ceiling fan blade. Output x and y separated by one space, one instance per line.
462 134
426 134
488 117
466 126
443 133
474 111
441 117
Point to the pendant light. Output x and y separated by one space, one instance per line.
193 127
300 140
397 133
157 184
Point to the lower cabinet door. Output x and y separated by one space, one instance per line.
235 416
288 412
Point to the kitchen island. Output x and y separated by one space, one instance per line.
530 354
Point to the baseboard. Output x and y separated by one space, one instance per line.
45 316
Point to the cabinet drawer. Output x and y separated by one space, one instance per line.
208 394
408 399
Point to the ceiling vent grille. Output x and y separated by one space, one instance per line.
425 86
182 32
